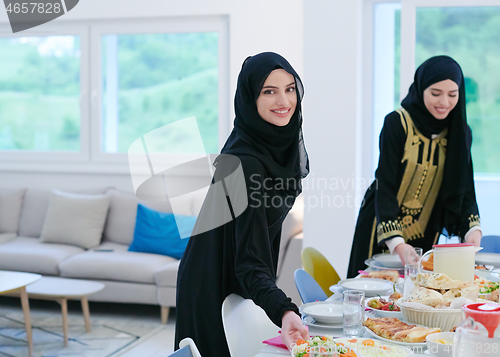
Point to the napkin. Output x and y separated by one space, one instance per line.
276 341
408 286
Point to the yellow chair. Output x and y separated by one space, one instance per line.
319 268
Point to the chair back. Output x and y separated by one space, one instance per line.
187 344
246 325
319 268
309 289
182 352
490 244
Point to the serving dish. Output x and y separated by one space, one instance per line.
389 260
420 346
371 287
310 321
488 259
324 312
376 265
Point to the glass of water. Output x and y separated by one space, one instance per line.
353 309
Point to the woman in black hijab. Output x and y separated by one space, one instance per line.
258 175
424 180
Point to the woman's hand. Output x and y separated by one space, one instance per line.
475 238
292 329
400 249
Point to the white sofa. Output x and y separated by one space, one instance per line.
129 277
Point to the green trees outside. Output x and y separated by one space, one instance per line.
470 36
161 78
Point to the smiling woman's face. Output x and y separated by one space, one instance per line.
277 100
441 97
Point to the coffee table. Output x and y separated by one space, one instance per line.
16 282
62 290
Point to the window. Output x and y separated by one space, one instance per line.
40 93
408 32
88 92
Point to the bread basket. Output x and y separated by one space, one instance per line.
445 319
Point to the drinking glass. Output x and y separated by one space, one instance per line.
412 262
413 255
353 309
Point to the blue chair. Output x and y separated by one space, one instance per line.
309 289
490 244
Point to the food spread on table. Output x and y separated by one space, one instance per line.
488 290
443 341
438 290
368 347
390 275
383 304
429 263
394 329
323 346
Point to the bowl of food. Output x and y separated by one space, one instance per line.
440 344
321 346
445 319
385 306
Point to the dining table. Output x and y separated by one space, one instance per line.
270 351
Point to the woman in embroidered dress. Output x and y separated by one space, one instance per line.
424 180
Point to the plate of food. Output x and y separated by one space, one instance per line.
389 260
323 346
385 306
395 331
390 275
488 259
368 347
325 312
310 321
371 287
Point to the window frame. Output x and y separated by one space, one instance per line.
172 25
90 158
26 156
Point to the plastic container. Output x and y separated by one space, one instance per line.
455 260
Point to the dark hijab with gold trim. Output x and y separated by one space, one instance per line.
458 166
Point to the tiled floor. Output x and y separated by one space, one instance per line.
117 330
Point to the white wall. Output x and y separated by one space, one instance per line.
254 27
332 115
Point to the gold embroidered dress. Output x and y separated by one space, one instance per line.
402 199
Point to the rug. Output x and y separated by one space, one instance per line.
108 336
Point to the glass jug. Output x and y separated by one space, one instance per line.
478 335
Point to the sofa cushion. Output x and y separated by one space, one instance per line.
166 275
11 202
115 265
161 233
120 222
29 254
6 237
35 207
75 219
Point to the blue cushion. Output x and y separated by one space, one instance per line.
158 233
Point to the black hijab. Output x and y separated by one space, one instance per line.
280 149
458 167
